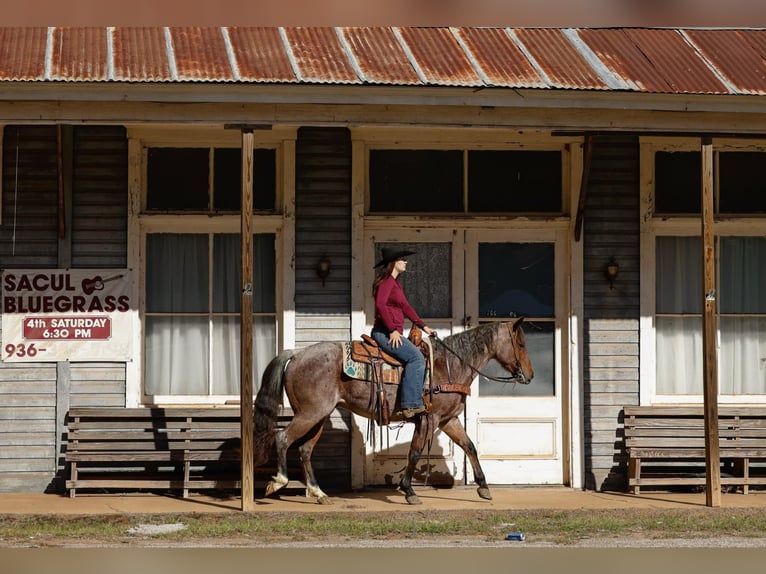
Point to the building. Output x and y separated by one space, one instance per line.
517 163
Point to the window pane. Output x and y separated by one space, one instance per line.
679 355
176 273
516 280
742 365
541 348
177 178
743 274
416 181
678 182
742 181
514 181
679 275
227 187
226 352
227 273
427 282
177 355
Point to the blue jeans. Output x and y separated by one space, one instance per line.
414 368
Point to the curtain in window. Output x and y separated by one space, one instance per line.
742 324
182 318
741 321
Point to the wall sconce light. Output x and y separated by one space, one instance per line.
611 271
323 268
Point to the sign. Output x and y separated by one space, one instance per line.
67 315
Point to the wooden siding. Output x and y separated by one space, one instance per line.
100 197
322 228
323 313
611 315
27 426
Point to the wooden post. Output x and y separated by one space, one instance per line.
709 329
246 325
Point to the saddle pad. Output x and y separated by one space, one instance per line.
366 371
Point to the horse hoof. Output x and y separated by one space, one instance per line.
484 493
324 500
413 499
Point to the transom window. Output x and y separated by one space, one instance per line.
207 179
465 181
671 204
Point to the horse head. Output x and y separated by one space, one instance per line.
511 351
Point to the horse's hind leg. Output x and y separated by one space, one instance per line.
454 429
299 428
305 450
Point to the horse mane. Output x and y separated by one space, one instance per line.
471 343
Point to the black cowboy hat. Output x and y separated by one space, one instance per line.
390 254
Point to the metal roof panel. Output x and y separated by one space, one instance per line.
677 62
739 57
379 56
79 54
439 57
200 54
22 53
319 56
140 55
501 61
261 55
564 66
621 56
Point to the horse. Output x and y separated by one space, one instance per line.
315 384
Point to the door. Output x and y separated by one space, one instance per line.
433 284
518 429
459 279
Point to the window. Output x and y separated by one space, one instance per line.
192 317
671 224
465 181
179 179
188 252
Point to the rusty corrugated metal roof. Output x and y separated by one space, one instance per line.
738 57
675 61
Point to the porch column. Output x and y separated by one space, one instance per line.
246 325
710 362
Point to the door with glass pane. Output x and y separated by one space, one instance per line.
518 429
433 284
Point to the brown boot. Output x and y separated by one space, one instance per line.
409 413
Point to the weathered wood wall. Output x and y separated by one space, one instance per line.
611 315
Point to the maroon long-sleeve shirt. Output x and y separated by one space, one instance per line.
391 307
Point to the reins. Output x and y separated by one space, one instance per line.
509 379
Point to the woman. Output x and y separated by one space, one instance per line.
391 308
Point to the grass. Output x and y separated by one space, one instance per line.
561 527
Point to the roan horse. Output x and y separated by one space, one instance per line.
315 384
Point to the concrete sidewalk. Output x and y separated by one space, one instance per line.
372 500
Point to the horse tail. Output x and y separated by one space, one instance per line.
267 403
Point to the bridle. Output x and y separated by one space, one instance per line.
517 374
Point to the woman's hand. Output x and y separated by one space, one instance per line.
395 339
429 331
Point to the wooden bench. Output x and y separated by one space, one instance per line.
153 448
672 440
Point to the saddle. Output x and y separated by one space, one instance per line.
365 360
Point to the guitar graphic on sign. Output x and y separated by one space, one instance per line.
97 283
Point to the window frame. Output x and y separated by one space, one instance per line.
142 222
689 225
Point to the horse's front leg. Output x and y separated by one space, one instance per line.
416 448
454 429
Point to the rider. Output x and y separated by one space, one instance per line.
391 307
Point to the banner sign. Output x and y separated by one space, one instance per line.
67 315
